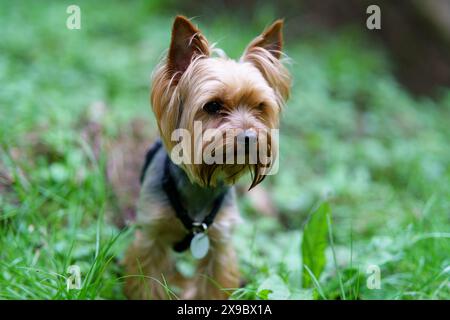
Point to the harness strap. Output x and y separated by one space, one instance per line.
173 195
192 226
149 157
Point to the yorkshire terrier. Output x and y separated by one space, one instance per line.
188 204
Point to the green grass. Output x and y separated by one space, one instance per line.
351 135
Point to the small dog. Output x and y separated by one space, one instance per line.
192 204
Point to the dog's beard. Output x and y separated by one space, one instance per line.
210 175
230 161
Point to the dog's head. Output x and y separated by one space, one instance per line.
218 114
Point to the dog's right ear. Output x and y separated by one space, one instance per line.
187 42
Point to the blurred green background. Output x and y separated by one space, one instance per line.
366 131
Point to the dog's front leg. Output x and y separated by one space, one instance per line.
150 270
218 273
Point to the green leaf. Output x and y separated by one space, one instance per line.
273 288
314 244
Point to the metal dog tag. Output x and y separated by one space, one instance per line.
200 245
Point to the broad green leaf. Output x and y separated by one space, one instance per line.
314 244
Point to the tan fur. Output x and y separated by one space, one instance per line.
253 91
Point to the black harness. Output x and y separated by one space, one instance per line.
171 191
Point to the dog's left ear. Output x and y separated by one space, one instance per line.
187 42
271 40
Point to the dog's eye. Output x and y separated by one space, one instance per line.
212 107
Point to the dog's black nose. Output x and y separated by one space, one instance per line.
249 138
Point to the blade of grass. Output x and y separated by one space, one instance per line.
330 234
316 283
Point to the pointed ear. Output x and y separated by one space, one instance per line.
187 42
264 52
271 39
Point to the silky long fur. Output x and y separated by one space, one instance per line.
177 100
